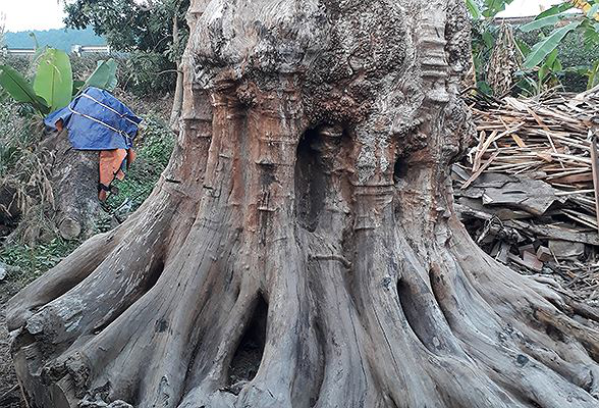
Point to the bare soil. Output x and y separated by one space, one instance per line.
10 396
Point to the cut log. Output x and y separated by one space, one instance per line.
68 192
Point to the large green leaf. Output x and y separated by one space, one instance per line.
544 22
493 7
54 78
473 8
77 87
112 77
558 8
523 47
104 77
552 64
20 89
593 11
547 45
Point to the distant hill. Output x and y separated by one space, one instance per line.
59 38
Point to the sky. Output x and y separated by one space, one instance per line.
22 15
527 7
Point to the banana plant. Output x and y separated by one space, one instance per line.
548 45
21 90
54 79
103 77
484 34
543 54
53 86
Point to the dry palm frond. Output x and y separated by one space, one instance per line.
505 60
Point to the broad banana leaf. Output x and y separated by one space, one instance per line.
473 8
544 22
77 86
558 8
20 89
547 45
54 78
493 7
112 77
104 77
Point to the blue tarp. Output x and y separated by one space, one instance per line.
96 120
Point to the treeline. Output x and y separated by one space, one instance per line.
62 38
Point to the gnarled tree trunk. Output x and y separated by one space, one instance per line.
301 249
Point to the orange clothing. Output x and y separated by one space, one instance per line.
111 167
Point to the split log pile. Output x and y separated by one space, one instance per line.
528 188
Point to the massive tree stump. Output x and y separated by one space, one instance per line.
301 249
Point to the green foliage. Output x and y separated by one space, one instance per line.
549 74
128 25
61 38
11 145
53 86
104 77
149 73
542 56
19 63
538 23
20 89
483 34
542 49
592 75
556 9
54 79
153 155
155 34
474 10
34 260
572 65
493 7
158 142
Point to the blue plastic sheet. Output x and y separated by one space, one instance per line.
96 120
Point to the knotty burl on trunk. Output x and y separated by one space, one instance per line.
301 249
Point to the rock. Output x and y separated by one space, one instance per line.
531 261
566 249
544 254
5 269
119 404
99 403
69 229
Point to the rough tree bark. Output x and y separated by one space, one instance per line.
178 95
301 249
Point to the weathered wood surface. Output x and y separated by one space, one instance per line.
301 249
75 177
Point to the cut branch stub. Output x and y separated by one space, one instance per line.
301 249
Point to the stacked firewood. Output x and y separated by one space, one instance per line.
528 188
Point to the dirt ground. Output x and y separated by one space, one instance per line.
10 396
